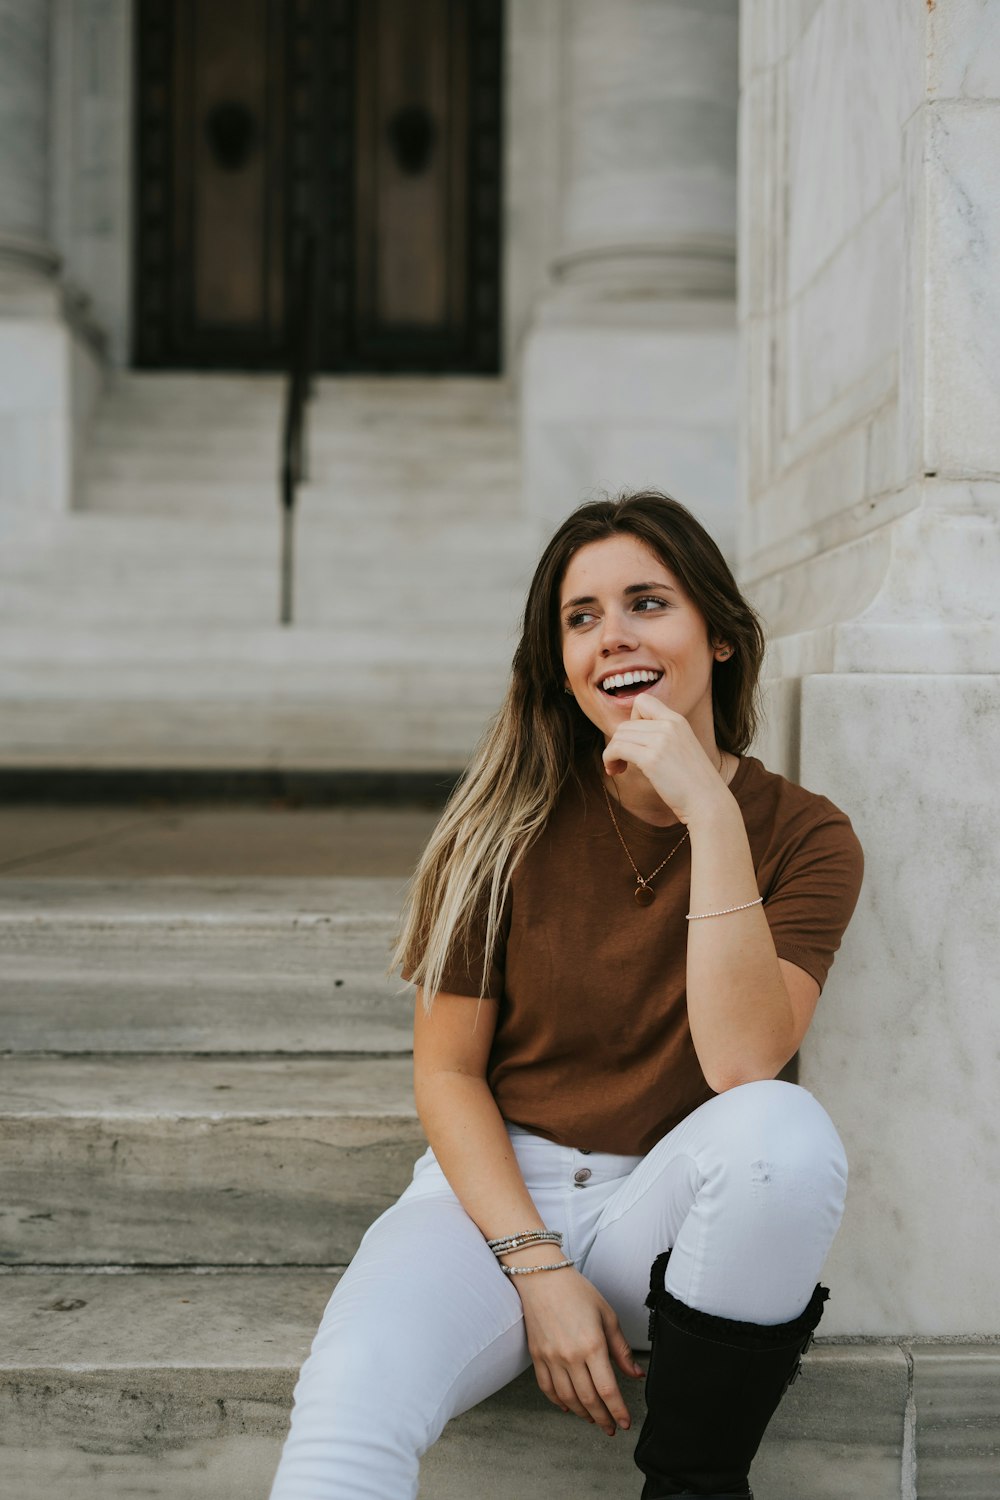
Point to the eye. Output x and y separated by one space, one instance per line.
651 599
574 619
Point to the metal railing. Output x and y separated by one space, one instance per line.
299 366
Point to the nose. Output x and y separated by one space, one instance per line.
617 634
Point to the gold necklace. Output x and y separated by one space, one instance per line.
644 893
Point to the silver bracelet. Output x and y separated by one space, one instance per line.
524 1237
693 917
527 1270
526 1245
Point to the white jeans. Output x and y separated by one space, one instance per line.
748 1190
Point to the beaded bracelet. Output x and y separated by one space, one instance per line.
696 917
525 1237
527 1245
527 1270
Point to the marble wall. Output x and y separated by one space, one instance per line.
50 354
869 306
24 124
91 193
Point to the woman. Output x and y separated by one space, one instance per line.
644 917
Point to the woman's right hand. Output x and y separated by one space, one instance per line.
573 1335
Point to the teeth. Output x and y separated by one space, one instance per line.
629 679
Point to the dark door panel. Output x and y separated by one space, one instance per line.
413 171
213 221
376 123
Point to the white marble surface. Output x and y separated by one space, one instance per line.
629 368
842 327
869 304
963 52
50 381
853 80
531 144
91 136
35 415
650 123
870 542
962 390
24 63
607 409
903 1051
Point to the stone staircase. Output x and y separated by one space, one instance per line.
205 1086
140 630
206 1099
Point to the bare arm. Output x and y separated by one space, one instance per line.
748 1009
570 1327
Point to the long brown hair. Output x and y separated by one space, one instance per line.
540 737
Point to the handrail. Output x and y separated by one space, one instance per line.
300 346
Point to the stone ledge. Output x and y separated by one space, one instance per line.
195 1160
289 966
85 1399
178 1384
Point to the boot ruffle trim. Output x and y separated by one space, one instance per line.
733 1330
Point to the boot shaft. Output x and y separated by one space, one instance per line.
712 1387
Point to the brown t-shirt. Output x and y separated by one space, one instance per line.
592 1047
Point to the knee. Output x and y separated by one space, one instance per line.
778 1135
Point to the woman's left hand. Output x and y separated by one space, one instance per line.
664 747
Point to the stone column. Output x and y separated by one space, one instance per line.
630 365
24 136
870 540
48 376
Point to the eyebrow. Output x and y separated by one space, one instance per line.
633 588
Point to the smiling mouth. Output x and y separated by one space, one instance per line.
629 684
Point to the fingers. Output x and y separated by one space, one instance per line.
590 1392
621 1353
558 1386
598 1389
543 1376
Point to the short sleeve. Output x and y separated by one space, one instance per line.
814 893
463 972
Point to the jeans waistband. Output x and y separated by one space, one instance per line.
610 1161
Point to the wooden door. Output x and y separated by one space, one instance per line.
374 125
427 201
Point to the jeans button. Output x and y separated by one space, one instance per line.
582 1175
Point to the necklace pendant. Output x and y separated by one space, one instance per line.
644 894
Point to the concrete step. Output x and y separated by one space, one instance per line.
302 734
360 501
378 463
196 1160
117 622
341 461
496 548
163 397
179 1385
212 966
368 685
183 571
295 655
209 446
251 600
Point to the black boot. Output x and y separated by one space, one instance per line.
713 1385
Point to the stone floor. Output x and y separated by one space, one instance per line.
203 985
151 842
